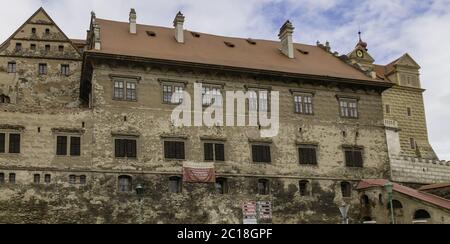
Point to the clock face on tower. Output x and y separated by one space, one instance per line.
360 53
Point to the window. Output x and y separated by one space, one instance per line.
72 179
214 152
409 112
221 186
14 143
33 47
353 157
261 154
37 179
47 48
422 215
12 67
307 155
303 104
47 179
75 146
125 183
33 30
388 109
349 108
412 143
210 95
173 94
4 99
61 145
42 69
47 31
263 187
304 188
12 178
175 185
2 142
258 100
83 179
174 150
2 178
365 201
61 48
65 69
126 148
346 189
125 90
18 47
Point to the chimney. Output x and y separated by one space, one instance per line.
287 45
133 18
178 24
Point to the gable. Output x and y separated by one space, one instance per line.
408 61
367 58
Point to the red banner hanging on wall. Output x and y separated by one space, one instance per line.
199 172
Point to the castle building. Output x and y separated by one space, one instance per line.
87 133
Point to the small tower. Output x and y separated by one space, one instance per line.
361 56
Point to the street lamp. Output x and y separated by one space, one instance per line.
140 193
389 187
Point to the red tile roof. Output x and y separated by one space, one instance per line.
435 200
435 186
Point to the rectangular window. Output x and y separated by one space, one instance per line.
349 108
2 178
409 112
174 150
12 67
2 142
125 90
61 145
47 179
65 69
214 152
18 47
37 179
263 187
261 154
33 30
61 48
33 47
75 146
307 155
175 185
412 143
303 104
388 109
131 91
173 94
353 157
14 143
42 69
119 89
83 179
12 178
72 179
221 186
211 95
47 48
126 148
258 100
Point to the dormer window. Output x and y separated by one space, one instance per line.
251 41
195 34
151 33
229 44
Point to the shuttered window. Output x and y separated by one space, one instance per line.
261 154
353 157
125 148
174 150
307 155
14 143
214 152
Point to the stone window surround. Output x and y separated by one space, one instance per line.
12 67
257 89
127 136
69 136
172 83
205 140
7 133
125 79
174 138
343 97
261 142
354 147
303 93
308 145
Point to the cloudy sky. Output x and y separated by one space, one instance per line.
391 27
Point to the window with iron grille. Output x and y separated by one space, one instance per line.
37 179
174 150
307 154
125 183
12 178
303 104
65 69
12 67
214 152
42 69
353 157
211 95
125 90
263 187
349 108
14 143
2 142
173 94
261 154
175 184
222 186
346 189
304 188
126 148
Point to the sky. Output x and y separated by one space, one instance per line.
390 27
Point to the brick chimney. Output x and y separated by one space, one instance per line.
133 18
178 23
287 45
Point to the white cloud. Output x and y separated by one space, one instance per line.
391 27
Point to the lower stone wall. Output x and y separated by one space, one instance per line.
99 201
414 170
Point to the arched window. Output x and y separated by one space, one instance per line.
346 189
304 188
263 187
125 183
365 201
422 215
396 204
175 184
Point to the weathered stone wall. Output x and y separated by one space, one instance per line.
415 170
